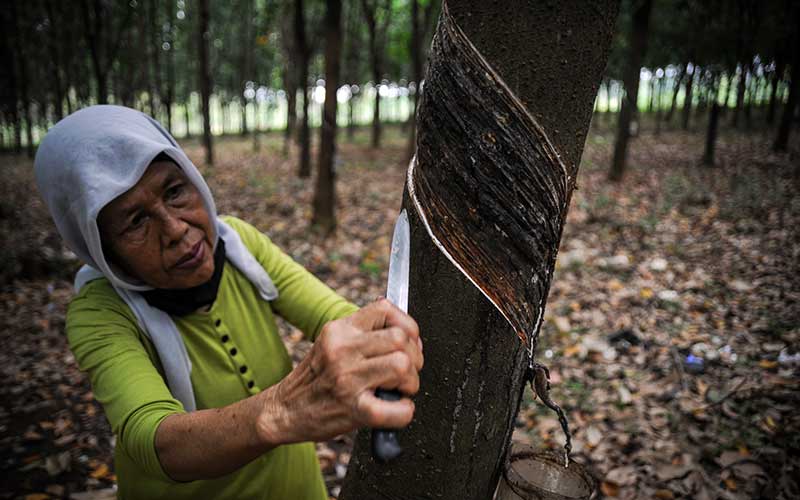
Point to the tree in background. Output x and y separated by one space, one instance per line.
420 28
785 127
302 53
378 16
203 36
638 44
325 193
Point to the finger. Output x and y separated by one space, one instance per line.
382 314
375 412
390 371
387 340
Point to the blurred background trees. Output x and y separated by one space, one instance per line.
208 68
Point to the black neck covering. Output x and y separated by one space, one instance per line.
188 300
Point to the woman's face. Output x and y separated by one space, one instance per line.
159 230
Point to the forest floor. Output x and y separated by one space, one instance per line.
672 330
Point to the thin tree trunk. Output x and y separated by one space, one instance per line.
483 164
187 116
418 32
169 98
777 76
17 16
205 78
54 44
246 51
675 90
10 95
303 51
686 112
740 92
155 43
351 125
325 193
290 82
377 34
713 122
785 127
638 44
659 111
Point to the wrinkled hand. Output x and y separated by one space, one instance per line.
331 391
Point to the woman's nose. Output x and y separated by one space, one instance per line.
173 228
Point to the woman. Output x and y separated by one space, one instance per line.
173 321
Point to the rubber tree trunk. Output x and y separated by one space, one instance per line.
740 91
289 76
325 193
376 28
785 127
487 194
686 112
675 90
713 125
775 79
659 112
54 46
638 44
303 56
245 65
290 82
415 50
169 96
205 79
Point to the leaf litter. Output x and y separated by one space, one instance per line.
671 334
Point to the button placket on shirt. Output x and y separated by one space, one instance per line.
226 339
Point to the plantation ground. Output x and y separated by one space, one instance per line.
672 325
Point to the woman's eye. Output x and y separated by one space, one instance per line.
175 191
137 222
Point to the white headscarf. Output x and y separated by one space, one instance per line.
90 158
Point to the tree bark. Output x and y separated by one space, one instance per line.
713 122
377 40
777 76
659 111
785 127
303 53
205 78
638 44
19 33
686 112
419 32
740 91
325 193
491 183
169 98
675 90
289 77
54 46
245 61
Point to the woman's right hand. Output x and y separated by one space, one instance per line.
332 390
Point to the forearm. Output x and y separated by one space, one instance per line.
205 444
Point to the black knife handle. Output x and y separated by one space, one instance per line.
385 446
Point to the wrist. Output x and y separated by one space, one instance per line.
272 422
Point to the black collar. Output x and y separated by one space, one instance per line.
188 300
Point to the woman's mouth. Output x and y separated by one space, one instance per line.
193 258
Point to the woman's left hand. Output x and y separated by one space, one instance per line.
332 391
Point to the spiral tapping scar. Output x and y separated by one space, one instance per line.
496 217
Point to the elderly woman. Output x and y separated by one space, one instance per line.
174 322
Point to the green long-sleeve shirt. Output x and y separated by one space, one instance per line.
235 351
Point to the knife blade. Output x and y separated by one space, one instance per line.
385 445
